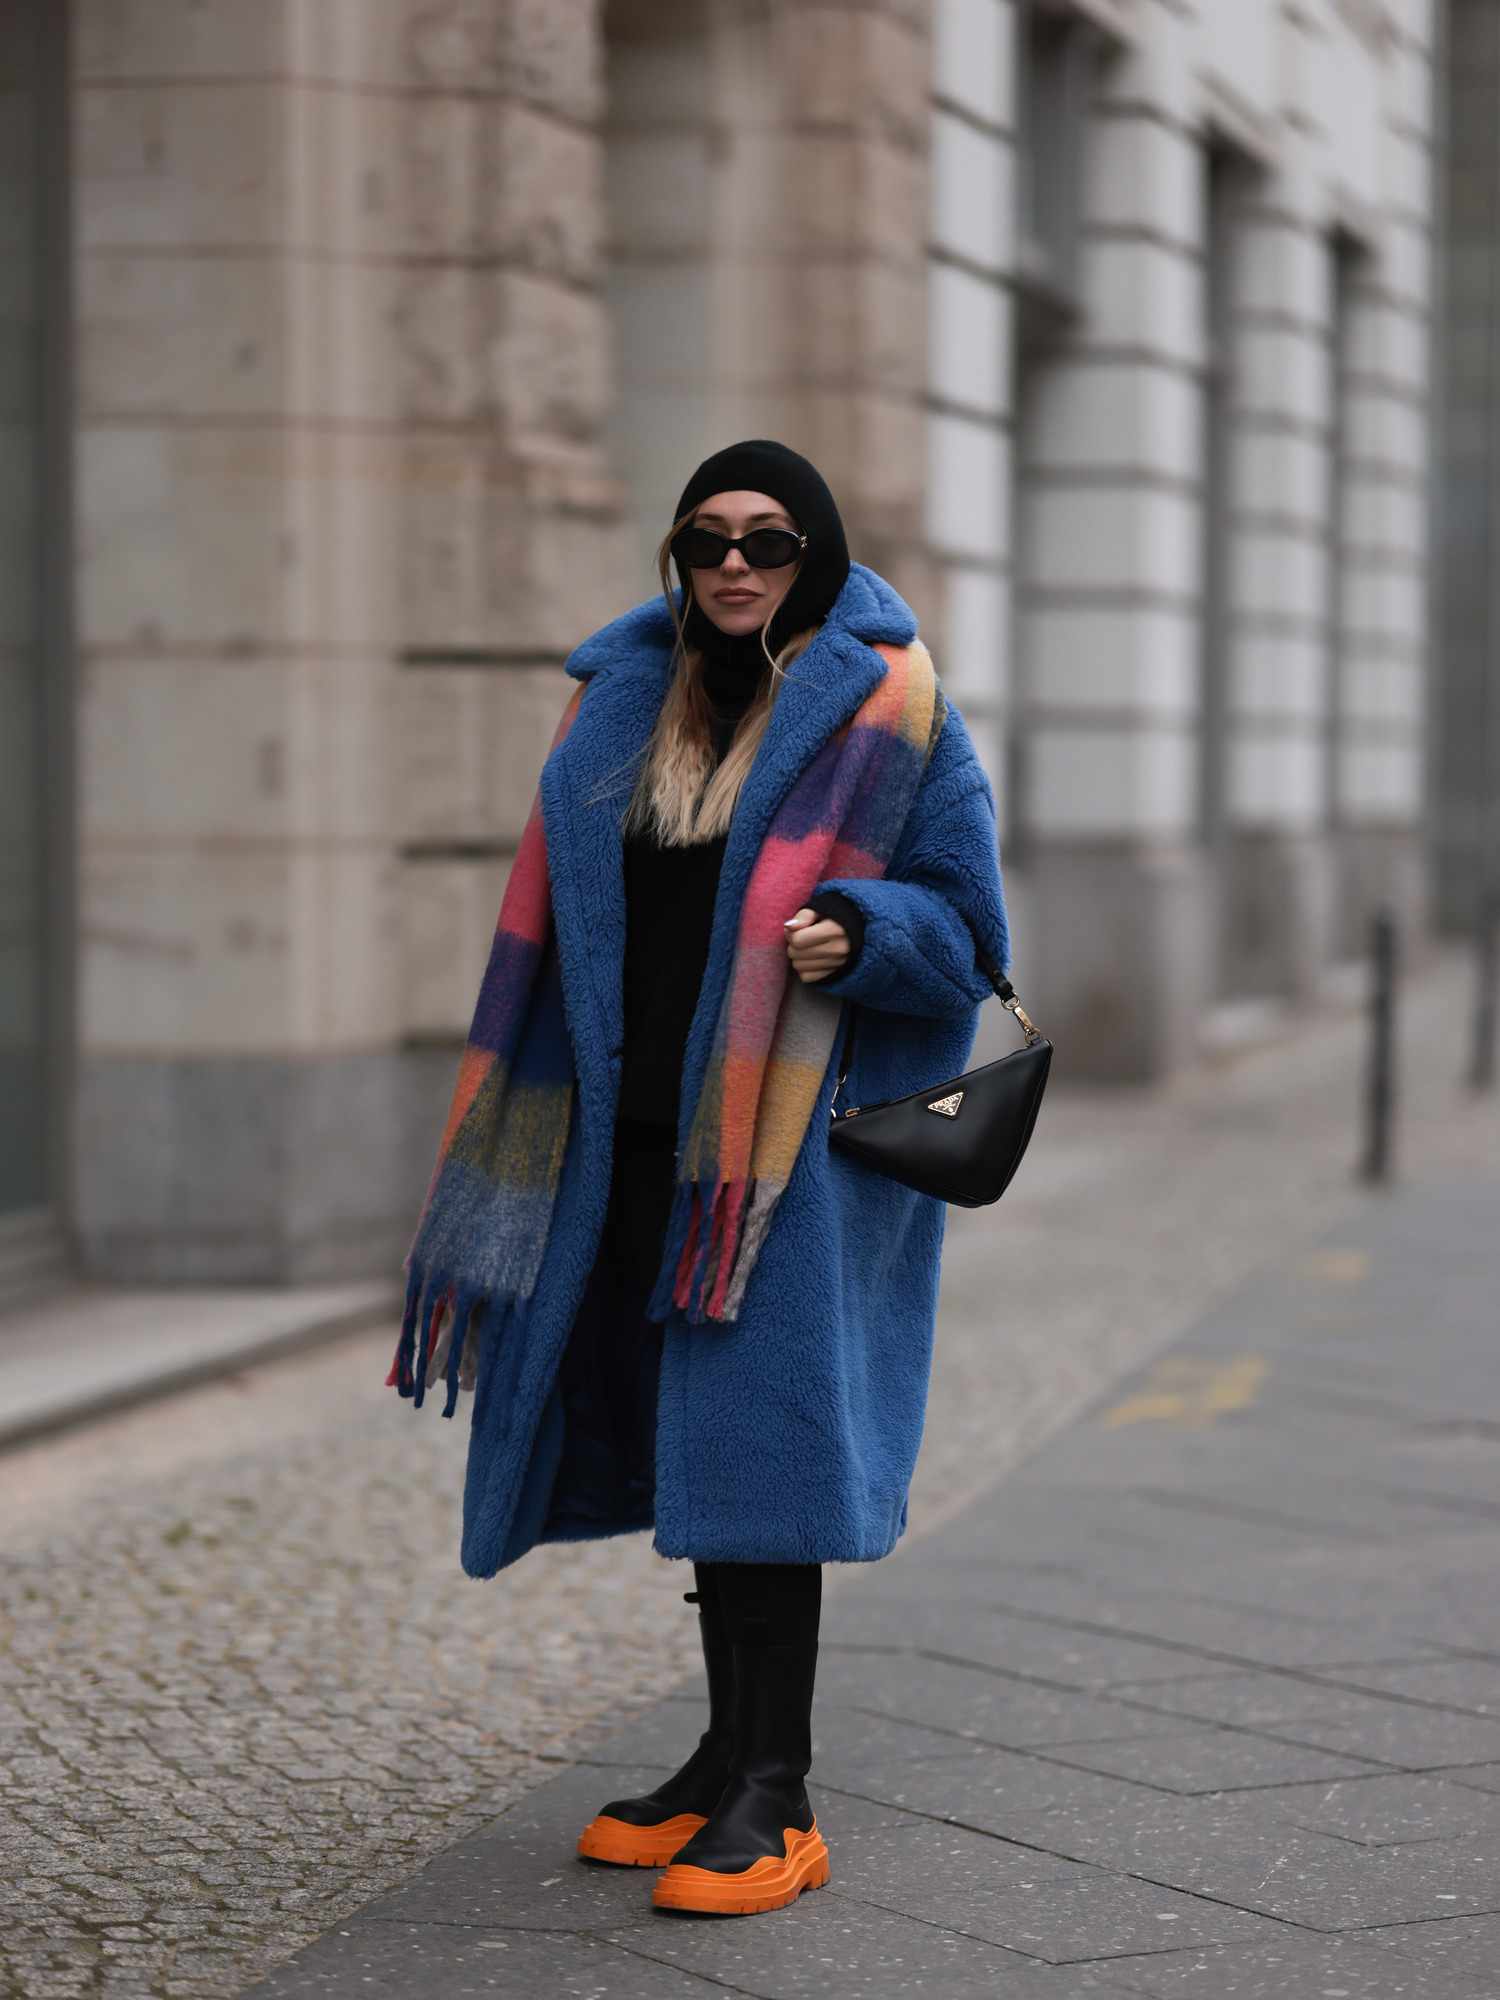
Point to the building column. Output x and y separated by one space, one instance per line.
512 539
237 1089
971 376
1383 644
1276 882
1109 581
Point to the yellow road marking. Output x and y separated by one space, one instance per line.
1191 1389
1342 1267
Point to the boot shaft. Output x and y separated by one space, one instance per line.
718 1656
772 1613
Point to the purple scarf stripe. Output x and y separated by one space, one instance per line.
500 1011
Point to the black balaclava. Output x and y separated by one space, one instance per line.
760 465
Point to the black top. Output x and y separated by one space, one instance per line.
669 906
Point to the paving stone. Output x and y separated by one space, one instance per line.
1208 1760
1455 1949
1446 1593
977 1702
1257 1496
1289 1968
1227 1847
1480 1777
1384 1811
1330 1885
1028 1648
1471 1685
892 1855
963 1781
443 1963
826 1941
1403 1733
1059 1911
1225 1634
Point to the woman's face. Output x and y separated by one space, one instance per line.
736 597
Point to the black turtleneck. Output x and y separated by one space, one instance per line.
669 904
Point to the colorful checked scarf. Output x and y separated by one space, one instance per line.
489 1203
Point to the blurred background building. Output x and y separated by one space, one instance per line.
354 352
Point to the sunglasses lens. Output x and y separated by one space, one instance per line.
762 548
699 548
770 548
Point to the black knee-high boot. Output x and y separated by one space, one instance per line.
760 1846
645 1831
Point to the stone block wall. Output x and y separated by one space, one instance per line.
342 510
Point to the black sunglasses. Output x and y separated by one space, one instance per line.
762 548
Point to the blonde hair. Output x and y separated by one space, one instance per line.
678 794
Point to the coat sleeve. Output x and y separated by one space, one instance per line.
941 892
833 903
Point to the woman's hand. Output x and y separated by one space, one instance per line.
817 946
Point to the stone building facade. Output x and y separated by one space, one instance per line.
390 330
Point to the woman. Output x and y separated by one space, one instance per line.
679 1308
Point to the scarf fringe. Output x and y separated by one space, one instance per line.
764 1196
428 1298
710 1247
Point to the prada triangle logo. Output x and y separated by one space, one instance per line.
947 1105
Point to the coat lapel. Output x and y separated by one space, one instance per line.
587 780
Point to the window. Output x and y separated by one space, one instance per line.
1055 53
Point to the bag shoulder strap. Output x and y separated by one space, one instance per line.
1005 992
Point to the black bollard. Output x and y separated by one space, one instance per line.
1486 978
1380 1081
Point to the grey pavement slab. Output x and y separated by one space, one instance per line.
1483 1777
1203 1636
1402 1732
1151 1717
833 1944
1208 1760
1059 1911
973 1701
1457 1949
1295 1968
1384 1811
374 1957
1472 1686
1312 1880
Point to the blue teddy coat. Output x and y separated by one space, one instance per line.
790 1435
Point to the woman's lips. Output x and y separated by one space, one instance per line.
736 596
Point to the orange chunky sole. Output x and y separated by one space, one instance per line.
606 1839
765 1885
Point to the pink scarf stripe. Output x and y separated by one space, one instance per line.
773 1037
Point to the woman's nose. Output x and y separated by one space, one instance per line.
734 562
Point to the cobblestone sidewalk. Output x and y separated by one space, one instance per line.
244 1687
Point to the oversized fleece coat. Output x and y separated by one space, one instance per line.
791 1435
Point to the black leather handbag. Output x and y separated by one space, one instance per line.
961 1139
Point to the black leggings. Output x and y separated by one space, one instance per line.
783 1600
611 1365
611 1373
